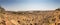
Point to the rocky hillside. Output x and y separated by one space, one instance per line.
30 18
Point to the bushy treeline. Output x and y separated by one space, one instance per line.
1 9
58 9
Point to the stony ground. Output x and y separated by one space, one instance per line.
30 18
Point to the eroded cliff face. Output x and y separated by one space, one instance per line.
30 18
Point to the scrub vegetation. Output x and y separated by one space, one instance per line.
30 18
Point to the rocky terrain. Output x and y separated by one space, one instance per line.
30 18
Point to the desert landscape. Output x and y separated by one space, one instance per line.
29 17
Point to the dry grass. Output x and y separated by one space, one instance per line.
30 18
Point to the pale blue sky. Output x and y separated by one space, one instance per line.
23 5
